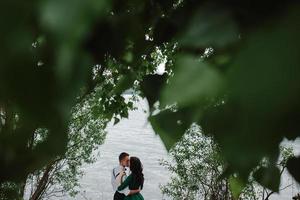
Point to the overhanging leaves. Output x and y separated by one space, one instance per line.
171 125
236 186
151 87
209 26
268 177
194 82
293 165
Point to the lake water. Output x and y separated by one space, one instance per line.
136 136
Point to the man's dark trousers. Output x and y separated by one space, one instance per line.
119 196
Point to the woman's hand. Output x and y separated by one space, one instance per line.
122 173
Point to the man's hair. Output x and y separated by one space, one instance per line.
122 156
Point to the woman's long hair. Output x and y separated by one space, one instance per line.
136 169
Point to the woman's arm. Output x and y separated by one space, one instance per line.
125 183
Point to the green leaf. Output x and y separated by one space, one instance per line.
236 186
227 172
262 98
268 177
194 82
71 26
293 165
209 27
124 83
151 87
117 120
171 125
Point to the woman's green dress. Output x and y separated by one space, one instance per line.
129 182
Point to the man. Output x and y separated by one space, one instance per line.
119 171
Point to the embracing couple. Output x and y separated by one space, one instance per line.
128 184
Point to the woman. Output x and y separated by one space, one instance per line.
135 180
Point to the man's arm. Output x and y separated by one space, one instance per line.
124 184
125 191
131 192
118 181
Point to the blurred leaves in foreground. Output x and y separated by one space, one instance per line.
39 80
245 93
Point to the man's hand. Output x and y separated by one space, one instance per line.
133 192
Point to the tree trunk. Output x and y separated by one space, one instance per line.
41 186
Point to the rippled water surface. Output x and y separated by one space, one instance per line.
135 136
